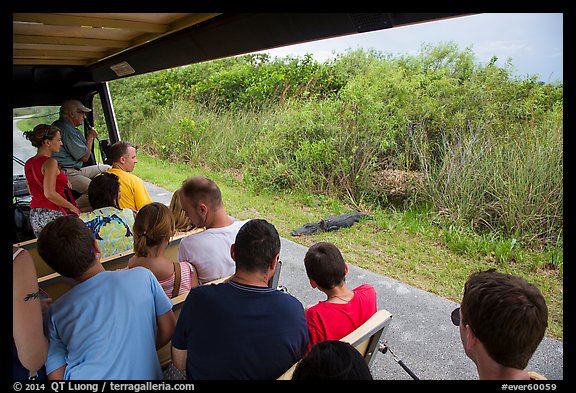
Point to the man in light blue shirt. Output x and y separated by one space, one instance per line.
111 323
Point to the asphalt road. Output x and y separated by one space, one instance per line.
21 148
421 333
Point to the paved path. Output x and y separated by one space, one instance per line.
21 148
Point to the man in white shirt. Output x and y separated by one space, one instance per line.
208 250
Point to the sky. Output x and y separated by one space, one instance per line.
534 41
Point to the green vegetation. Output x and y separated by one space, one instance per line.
459 163
36 115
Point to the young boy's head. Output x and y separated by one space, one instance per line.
325 265
67 245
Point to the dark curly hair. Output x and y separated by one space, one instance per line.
103 191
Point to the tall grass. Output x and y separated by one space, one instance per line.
510 184
185 132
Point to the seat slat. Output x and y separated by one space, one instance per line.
52 282
365 338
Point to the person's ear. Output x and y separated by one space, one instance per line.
471 339
313 283
274 263
232 252
96 249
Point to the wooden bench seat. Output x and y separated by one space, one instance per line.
112 262
365 339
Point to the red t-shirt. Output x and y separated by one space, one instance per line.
35 180
333 321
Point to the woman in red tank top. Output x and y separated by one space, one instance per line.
46 182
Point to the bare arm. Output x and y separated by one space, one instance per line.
166 325
194 277
50 169
92 133
27 327
57 374
179 357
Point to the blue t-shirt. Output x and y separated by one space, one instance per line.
105 327
234 331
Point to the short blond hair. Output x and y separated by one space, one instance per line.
200 189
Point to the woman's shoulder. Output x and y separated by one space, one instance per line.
49 161
38 160
136 271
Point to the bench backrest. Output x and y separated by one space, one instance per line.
56 285
365 339
113 262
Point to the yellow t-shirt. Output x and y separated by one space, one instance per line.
133 192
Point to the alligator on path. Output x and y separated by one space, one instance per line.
329 224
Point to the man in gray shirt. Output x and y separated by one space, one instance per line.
76 149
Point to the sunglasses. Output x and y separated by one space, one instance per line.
455 317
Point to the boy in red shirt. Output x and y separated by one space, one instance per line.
344 309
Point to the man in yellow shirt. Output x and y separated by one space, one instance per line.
133 192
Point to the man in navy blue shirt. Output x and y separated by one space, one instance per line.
242 329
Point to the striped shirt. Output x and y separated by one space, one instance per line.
187 272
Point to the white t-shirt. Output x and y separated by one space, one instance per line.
209 251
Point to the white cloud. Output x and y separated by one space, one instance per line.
533 41
508 48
